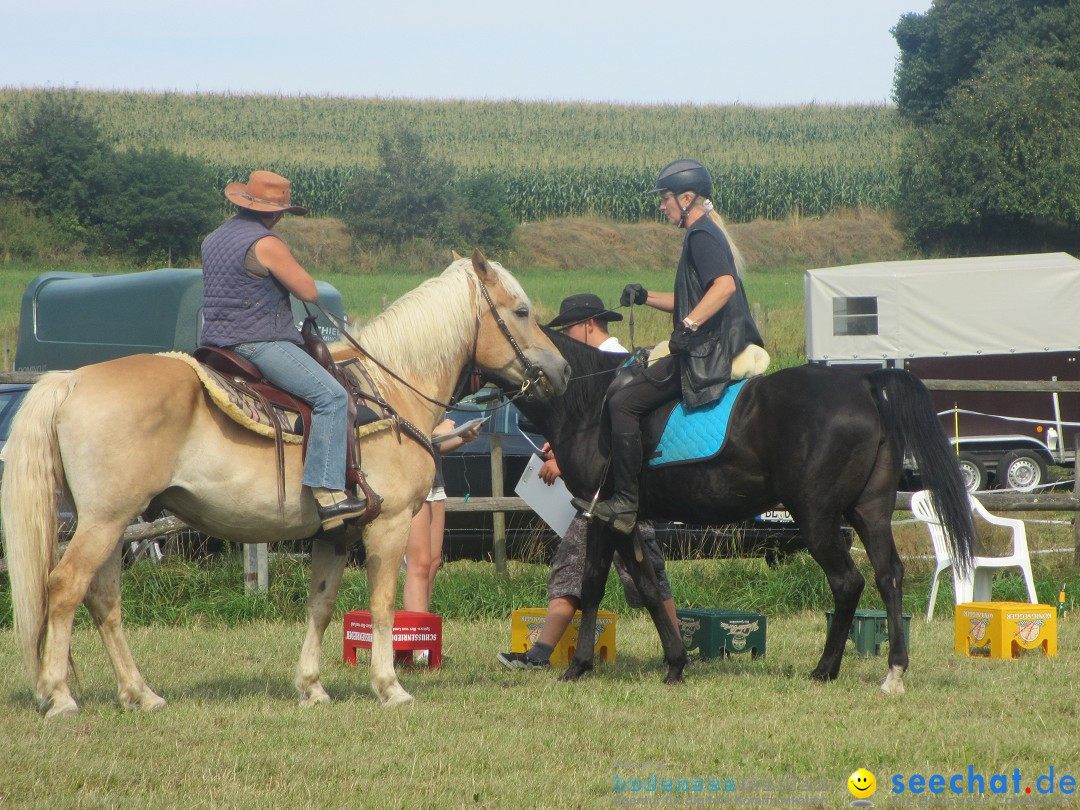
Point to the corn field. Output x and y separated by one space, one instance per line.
555 159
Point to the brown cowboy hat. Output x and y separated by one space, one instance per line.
263 192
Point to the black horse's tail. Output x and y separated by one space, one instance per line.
909 415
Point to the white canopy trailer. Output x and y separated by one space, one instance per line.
1010 318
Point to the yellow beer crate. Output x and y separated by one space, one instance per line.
526 623
1004 629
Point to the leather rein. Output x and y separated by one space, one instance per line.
532 372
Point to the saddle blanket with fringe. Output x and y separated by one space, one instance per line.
249 411
695 434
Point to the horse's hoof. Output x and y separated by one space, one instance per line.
152 704
307 701
404 699
824 677
68 708
894 682
573 673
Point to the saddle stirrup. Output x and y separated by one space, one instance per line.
620 510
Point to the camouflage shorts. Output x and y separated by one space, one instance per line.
568 565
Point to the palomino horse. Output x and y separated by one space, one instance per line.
140 433
824 442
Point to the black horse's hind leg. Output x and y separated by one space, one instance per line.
875 528
644 576
827 547
598 553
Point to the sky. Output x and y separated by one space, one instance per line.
761 52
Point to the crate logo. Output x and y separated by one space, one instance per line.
687 628
862 784
978 629
1028 631
739 633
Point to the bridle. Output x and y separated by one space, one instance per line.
533 373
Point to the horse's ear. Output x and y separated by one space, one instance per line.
457 257
482 268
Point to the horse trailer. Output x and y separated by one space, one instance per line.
990 318
68 320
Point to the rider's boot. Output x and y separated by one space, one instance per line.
620 510
337 506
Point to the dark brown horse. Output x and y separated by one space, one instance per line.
826 443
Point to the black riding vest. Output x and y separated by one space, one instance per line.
706 368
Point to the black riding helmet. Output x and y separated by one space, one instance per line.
684 175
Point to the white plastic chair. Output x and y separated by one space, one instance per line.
975 586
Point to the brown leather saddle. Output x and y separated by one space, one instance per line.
239 373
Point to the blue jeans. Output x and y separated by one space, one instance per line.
289 367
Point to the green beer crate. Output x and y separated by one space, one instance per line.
869 629
716 632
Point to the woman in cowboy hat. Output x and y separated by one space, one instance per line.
248 273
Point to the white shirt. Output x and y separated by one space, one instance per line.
612 345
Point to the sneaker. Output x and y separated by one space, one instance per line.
515 660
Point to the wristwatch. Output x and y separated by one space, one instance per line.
693 326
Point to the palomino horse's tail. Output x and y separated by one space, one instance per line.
32 477
910 416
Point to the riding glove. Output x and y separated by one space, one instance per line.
633 294
679 342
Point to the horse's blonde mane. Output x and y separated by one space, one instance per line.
452 300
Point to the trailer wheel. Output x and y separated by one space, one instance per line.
973 470
1022 470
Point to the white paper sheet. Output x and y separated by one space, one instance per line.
551 503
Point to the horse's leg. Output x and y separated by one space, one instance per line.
598 553
384 542
68 583
327 565
644 577
103 602
874 526
823 540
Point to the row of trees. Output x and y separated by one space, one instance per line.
69 185
63 182
992 88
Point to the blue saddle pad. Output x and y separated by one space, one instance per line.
695 434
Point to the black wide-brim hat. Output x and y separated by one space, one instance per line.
580 308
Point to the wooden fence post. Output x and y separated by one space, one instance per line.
256 568
498 519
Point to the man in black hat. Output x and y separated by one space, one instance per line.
585 318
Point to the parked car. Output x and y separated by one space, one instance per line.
11 397
470 535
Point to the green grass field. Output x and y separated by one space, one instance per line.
481 736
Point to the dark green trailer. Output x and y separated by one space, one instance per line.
68 320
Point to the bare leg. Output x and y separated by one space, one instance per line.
437 532
416 595
560 612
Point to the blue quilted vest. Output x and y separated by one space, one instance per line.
238 308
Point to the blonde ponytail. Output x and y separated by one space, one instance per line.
714 215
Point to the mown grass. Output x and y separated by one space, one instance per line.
480 736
